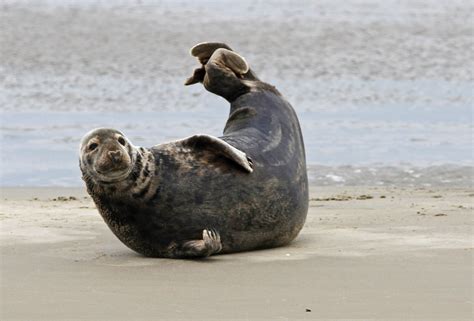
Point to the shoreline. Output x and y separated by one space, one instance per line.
377 174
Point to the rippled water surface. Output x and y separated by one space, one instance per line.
383 92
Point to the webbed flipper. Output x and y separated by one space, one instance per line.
204 50
223 71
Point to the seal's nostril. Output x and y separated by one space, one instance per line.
115 155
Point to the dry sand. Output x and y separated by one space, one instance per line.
365 253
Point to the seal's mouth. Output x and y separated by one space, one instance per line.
111 173
113 176
112 169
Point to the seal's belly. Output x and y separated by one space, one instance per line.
264 209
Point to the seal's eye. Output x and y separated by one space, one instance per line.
93 146
121 141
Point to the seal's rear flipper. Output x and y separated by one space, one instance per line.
221 67
214 145
225 61
210 244
226 58
198 76
204 50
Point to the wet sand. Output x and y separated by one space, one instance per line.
371 253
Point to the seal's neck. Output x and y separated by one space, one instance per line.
141 181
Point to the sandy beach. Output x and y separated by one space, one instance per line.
365 253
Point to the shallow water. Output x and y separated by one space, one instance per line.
383 93
42 148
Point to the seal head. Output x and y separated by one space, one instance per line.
106 155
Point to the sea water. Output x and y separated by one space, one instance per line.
383 92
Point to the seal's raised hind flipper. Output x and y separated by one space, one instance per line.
210 244
229 59
222 59
221 67
204 50
218 147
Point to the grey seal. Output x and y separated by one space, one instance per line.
203 195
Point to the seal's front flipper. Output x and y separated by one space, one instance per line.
216 146
210 244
